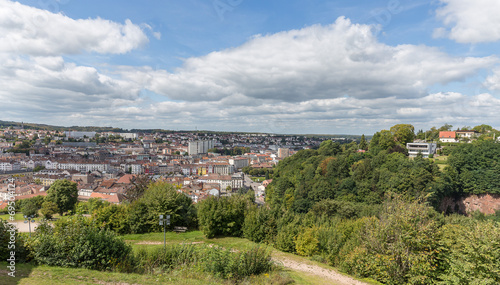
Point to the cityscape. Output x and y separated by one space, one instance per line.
250 142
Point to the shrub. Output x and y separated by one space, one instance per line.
260 225
306 243
222 216
402 247
7 234
77 242
220 262
472 254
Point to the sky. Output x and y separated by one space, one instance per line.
294 67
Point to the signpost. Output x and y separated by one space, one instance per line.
164 222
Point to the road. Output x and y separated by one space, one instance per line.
24 228
247 182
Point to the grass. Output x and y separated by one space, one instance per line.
298 277
17 217
28 274
49 275
258 179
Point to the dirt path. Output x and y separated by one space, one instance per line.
329 274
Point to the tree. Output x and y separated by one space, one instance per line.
362 143
30 208
403 133
49 209
64 194
161 198
140 183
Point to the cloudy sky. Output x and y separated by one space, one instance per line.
294 66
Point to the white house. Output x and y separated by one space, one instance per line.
424 148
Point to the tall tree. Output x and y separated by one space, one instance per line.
140 183
64 194
362 143
403 133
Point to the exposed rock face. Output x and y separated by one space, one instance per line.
487 204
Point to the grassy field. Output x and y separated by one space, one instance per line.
17 217
48 275
29 274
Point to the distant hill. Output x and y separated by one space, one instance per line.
35 126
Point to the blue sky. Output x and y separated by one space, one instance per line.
326 67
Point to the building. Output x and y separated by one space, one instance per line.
197 147
79 135
239 162
467 134
425 149
283 152
448 136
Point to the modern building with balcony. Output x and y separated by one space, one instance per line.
424 148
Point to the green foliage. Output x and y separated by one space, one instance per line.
472 252
141 184
91 206
403 133
77 242
306 243
64 194
11 240
173 256
260 225
307 178
113 217
222 216
161 199
48 210
362 143
402 247
473 168
30 208
220 262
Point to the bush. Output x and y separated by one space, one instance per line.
306 243
220 262
77 242
7 234
171 257
260 225
472 254
402 247
222 216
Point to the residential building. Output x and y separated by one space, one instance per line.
425 149
468 134
283 152
447 136
198 147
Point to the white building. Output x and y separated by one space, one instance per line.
424 148
197 147
238 162
79 135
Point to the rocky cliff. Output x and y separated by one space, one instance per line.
485 203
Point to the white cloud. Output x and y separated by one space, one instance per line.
492 82
469 21
316 62
49 88
32 31
320 79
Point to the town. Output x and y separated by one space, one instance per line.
105 165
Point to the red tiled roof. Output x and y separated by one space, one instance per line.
445 134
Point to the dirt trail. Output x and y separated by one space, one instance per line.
329 274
